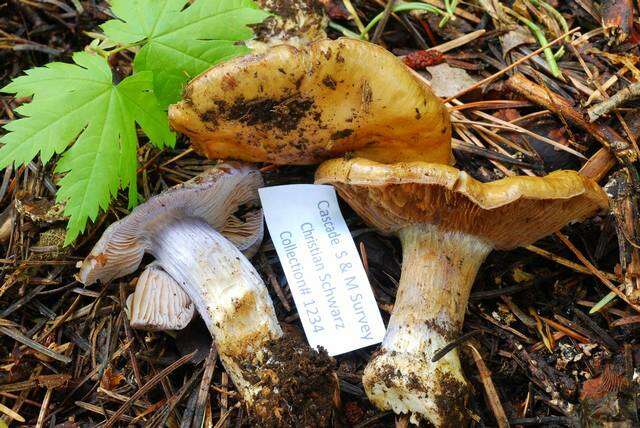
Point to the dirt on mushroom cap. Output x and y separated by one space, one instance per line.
291 106
507 213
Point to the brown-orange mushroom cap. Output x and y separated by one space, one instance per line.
302 106
448 223
508 213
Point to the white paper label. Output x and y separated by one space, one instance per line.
325 274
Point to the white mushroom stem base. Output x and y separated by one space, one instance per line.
235 305
438 271
224 286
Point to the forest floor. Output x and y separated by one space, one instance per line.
544 343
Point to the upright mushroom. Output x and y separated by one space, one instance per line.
447 223
180 228
302 106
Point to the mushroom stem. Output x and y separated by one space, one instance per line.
225 288
238 311
438 271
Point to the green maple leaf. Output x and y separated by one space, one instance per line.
79 103
181 42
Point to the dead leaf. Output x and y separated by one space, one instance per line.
446 81
111 379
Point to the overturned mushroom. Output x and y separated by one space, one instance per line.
291 106
447 223
180 229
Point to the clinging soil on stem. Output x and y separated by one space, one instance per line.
293 376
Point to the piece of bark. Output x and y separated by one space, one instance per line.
606 135
598 165
629 93
624 205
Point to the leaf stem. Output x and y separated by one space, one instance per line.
401 7
344 30
356 18
559 18
539 34
450 6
